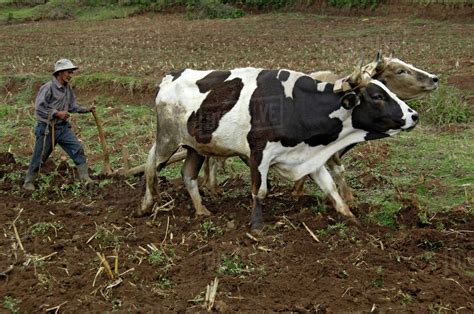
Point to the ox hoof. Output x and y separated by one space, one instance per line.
139 213
297 194
203 211
216 193
256 231
256 228
348 197
353 221
143 211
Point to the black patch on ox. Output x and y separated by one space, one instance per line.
211 80
177 73
222 98
277 118
374 136
284 75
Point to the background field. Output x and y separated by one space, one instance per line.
415 192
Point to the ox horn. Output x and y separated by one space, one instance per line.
379 61
356 76
392 52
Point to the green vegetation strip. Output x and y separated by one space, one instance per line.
14 11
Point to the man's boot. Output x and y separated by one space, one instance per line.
28 185
83 173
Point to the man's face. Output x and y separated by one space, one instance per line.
65 76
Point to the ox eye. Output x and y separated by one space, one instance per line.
377 97
401 71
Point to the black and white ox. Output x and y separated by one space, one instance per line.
272 118
403 79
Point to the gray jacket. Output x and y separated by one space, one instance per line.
53 97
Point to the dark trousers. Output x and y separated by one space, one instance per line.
64 136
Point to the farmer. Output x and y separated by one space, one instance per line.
54 102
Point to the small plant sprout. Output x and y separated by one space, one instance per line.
11 304
107 237
377 283
116 304
42 228
233 265
338 227
156 257
406 298
208 228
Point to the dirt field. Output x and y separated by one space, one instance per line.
51 240
351 268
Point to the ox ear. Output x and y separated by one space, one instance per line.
350 100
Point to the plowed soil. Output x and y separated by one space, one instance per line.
368 268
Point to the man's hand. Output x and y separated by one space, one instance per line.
91 109
62 115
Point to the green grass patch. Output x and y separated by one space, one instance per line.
16 14
440 168
469 272
212 9
354 3
106 12
432 169
444 106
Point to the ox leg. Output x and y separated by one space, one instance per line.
190 172
259 192
205 177
150 177
215 164
158 155
211 165
298 188
337 168
326 183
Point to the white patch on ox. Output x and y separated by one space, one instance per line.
296 162
289 84
321 86
231 134
340 113
411 67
